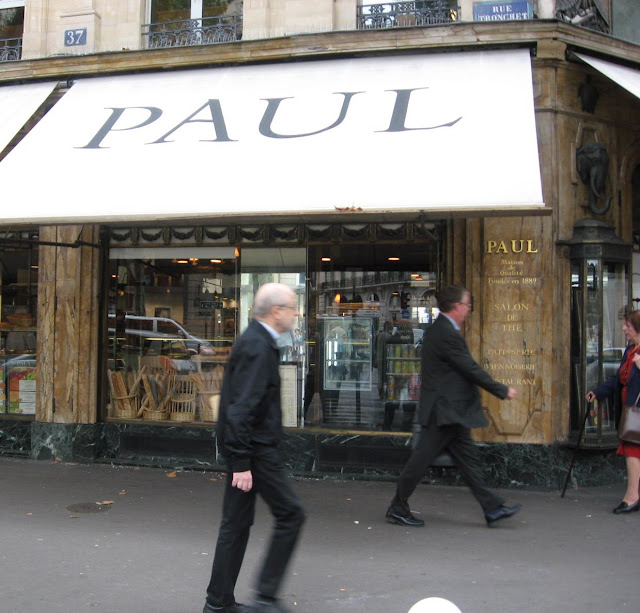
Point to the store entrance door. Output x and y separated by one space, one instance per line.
288 266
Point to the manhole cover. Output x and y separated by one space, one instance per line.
87 507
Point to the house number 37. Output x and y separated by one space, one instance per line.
75 38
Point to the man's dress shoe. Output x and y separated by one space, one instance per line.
625 507
404 520
502 512
236 607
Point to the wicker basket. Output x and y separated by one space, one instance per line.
154 415
182 403
209 405
122 411
182 415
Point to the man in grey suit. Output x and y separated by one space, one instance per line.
450 405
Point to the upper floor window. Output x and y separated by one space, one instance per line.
11 29
176 23
374 14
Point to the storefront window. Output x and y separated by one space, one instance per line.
18 304
351 362
369 307
172 321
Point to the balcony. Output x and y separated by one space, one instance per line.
403 14
187 32
10 49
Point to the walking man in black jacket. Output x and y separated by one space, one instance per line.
249 430
450 405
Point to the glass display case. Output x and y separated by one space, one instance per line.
401 384
599 299
347 353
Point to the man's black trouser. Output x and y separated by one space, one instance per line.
238 511
432 440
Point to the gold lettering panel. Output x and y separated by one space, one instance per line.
511 312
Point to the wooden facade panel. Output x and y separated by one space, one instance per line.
89 282
46 327
67 335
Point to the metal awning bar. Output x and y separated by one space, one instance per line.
17 104
624 76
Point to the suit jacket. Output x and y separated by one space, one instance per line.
450 376
250 410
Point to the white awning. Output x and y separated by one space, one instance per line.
622 75
436 132
17 104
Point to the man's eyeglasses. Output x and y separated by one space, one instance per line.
287 306
467 304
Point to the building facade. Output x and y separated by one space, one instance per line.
161 160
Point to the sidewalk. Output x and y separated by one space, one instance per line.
151 551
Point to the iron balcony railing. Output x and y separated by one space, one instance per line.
10 49
402 14
205 31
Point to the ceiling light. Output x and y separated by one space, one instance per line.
216 261
326 259
183 261
394 259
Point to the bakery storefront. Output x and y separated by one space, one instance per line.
164 200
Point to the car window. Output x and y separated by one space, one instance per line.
145 325
167 327
612 355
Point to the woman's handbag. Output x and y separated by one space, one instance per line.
629 427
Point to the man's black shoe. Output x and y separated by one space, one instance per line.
236 607
267 606
403 520
502 512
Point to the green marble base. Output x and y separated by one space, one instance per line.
313 453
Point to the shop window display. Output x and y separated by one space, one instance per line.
171 324
369 308
352 361
18 302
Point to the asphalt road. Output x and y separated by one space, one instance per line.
151 549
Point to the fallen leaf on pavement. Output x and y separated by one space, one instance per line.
172 475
